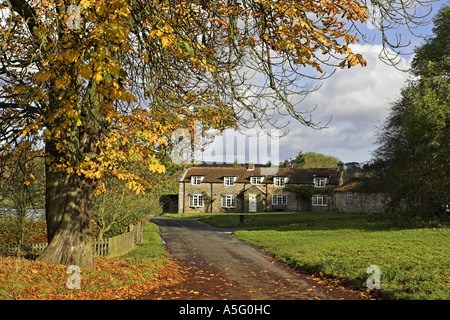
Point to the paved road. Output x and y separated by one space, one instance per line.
245 272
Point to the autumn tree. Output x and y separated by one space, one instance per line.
101 85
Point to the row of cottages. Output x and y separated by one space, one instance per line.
254 189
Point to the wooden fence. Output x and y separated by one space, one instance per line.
108 247
121 244
34 248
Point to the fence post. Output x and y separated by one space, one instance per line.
101 247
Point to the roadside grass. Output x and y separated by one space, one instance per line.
113 278
414 263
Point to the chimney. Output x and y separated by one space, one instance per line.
340 166
251 166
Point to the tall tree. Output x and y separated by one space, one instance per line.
414 141
103 84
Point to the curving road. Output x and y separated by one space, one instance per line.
245 272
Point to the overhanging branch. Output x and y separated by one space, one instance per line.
25 11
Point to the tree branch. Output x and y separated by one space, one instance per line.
25 11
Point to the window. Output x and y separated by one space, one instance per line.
196 180
320 182
229 181
279 181
256 180
228 201
279 199
196 200
320 200
349 197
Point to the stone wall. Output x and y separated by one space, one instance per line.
212 190
360 202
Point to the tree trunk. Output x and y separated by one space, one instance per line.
68 215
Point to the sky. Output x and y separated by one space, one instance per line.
357 100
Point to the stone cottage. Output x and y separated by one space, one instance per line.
252 188
356 195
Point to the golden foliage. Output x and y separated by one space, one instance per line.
110 94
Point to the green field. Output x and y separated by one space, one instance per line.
414 263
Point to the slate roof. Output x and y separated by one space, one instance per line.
295 176
362 185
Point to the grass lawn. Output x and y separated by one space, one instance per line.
414 263
113 278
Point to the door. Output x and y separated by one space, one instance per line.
252 203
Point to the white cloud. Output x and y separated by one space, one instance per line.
356 99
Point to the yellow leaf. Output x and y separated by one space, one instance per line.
98 77
86 72
78 122
165 41
42 76
25 131
70 55
85 3
32 176
26 182
59 84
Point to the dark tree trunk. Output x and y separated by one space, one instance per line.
68 215
69 193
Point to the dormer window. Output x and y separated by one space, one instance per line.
196 180
256 180
279 181
320 182
229 181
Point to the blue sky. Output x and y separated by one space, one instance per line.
357 101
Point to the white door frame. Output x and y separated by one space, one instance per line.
252 202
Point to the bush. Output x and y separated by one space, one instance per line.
117 228
36 232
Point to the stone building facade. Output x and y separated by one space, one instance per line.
251 188
356 196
